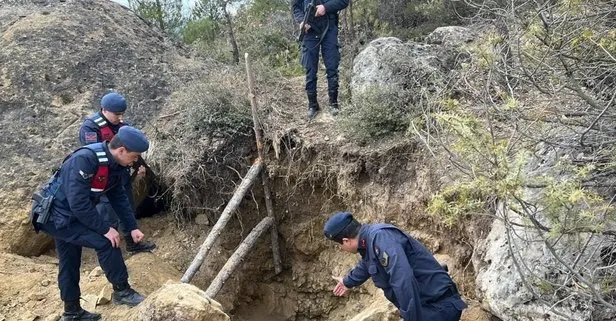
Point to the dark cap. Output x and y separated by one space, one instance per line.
336 224
133 139
113 102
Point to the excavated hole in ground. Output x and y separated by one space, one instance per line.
302 291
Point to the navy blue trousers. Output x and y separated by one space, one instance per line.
330 49
449 309
69 242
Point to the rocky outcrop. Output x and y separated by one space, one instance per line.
178 302
410 66
450 36
525 273
380 310
390 62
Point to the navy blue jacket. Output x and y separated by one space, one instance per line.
75 201
401 266
332 7
90 133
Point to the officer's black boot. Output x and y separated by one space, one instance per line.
74 312
143 246
124 294
334 108
313 105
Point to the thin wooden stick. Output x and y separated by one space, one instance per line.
264 178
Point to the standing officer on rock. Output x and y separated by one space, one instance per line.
65 209
102 127
320 34
398 264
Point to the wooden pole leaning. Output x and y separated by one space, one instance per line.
264 177
233 204
238 256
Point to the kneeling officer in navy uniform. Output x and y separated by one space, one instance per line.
66 210
398 264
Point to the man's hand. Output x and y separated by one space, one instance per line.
113 236
320 11
142 170
305 26
137 235
339 289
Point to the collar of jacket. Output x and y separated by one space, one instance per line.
113 165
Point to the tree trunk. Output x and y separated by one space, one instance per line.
223 220
264 178
160 16
238 257
234 50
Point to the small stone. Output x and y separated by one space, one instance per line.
104 296
45 282
96 272
38 296
89 302
201 219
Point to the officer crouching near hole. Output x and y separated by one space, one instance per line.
66 209
401 266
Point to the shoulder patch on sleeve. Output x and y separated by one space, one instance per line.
85 175
90 137
384 259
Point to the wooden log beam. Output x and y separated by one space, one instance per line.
238 256
233 204
264 178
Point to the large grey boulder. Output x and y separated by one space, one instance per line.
389 62
528 273
500 283
450 36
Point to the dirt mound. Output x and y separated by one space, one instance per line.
57 59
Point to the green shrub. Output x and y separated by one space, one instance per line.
215 111
274 49
204 29
377 112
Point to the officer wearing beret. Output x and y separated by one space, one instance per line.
398 264
113 107
321 37
75 223
100 127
